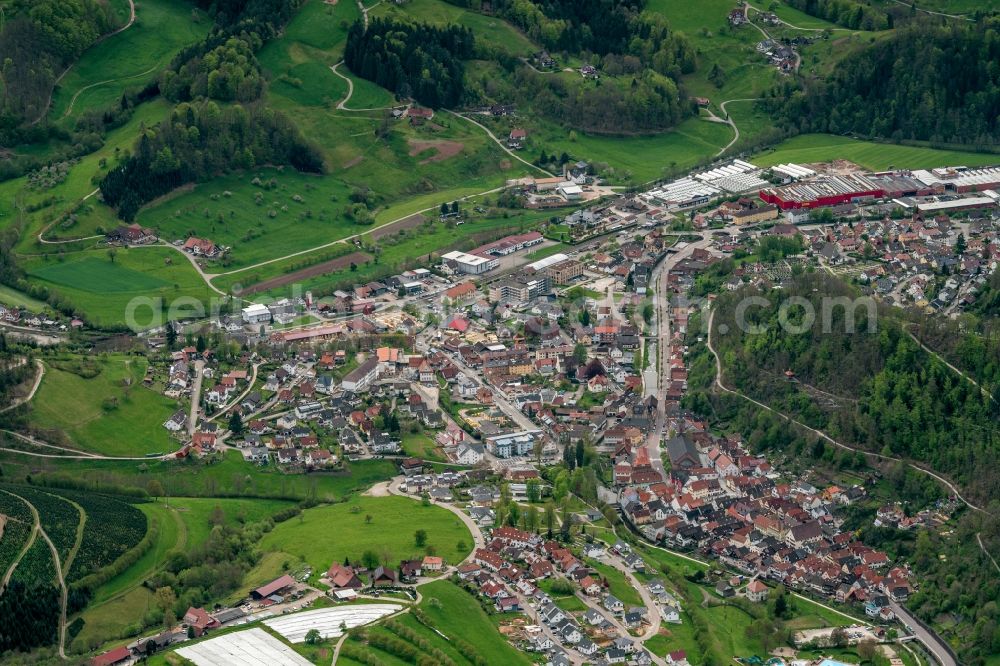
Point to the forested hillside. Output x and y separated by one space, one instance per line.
39 39
202 140
879 391
932 81
895 399
638 62
412 60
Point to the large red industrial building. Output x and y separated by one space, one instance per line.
827 191
847 188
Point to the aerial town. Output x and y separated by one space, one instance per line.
499 332
506 364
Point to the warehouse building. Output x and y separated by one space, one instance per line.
826 191
470 263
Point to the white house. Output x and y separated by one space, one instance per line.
470 454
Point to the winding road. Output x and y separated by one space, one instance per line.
34 388
501 143
55 84
934 643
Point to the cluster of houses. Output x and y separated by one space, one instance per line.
724 502
928 261
508 573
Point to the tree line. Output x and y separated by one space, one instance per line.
202 140
848 13
929 81
412 59
222 66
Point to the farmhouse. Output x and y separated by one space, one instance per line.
117 656
132 234
516 138
343 577
201 247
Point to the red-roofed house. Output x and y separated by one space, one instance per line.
200 620
111 657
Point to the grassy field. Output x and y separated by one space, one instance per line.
457 615
328 534
871 155
494 31
298 65
183 524
111 413
395 250
225 211
130 58
227 476
422 445
15 298
618 583
197 512
103 291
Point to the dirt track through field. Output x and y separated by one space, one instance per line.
309 272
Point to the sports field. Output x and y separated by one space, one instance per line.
383 525
110 413
871 155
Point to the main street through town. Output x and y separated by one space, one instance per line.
656 378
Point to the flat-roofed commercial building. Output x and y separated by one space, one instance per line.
471 264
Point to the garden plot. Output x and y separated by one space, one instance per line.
253 647
328 621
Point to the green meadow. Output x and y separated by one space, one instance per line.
457 614
492 30
869 154
110 413
130 58
383 525
226 475
103 290
295 212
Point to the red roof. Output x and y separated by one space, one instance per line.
111 657
274 586
460 290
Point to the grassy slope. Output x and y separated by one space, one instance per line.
74 405
330 533
196 513
130 58
193 478
824 147
165 274
302 86
496 31
457 614
237 222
